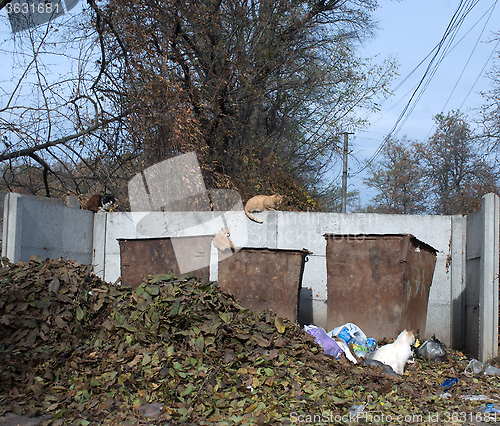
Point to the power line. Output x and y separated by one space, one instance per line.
495 48
442 48
471 53
490 10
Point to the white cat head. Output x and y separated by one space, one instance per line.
406 337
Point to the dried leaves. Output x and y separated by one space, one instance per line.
173 351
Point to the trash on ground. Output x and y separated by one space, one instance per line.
474 367
431 350
356 408
475 397
330 346
489 408
151 411
448 383
351 336
491 371
347 351
349 332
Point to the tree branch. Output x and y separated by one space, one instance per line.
61 141
46 170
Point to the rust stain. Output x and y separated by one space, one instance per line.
150 256
265 279
379 282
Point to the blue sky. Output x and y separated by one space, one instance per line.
409 30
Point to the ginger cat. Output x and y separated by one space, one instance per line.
259 203
222 242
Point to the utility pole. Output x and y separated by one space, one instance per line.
344 173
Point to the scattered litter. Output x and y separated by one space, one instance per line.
351 336
350 333
432 350
475 397
371 344
448 383
151 411
491 371
474 367
489 408
347 352
356 409
361 351
330 346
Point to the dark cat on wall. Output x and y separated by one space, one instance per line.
98 202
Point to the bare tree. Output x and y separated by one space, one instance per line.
259 89
399 180
457 166
53 123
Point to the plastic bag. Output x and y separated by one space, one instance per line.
330 346
475 367
432 350
350 333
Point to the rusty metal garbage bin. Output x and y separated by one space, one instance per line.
261 278
150 256
381 283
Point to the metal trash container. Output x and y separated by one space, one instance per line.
150 256
381 283
261 278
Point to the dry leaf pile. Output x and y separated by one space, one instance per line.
174 351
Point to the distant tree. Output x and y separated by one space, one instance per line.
490 113
398 179
331 199
457 168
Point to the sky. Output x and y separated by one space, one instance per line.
409 30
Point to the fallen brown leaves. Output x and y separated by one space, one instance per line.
173 351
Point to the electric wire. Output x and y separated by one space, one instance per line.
442 48
404 96
492 8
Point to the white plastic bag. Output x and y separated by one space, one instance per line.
358 337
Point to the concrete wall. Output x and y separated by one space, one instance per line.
288 230
46 228
480 295
463 300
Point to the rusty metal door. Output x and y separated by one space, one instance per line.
379 282
142 257
265 279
